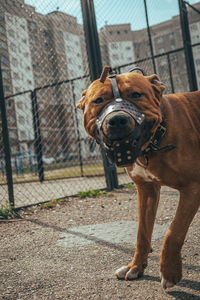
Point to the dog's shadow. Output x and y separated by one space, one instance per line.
185 283
195 285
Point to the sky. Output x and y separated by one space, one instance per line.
109 12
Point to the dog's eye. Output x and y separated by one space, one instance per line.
135 95
98 100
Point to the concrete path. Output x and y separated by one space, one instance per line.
35 192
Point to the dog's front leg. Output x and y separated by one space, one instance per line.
170 259
148 198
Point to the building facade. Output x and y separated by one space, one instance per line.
38 50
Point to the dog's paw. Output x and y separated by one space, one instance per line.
127 273
165 283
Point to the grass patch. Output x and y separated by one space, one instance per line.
50 204
6 211
130 186
91 193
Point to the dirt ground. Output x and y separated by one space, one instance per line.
33 265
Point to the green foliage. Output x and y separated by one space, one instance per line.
129 186
50 204
6 211
91 193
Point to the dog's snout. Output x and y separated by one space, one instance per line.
119 121
118 125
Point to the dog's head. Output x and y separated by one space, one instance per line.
118 124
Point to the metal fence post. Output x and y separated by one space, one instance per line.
6 144
170 72
78 132
187 46
38 140
95 65
149 36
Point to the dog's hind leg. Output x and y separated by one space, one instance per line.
148 198
170 258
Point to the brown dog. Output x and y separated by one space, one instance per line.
163 134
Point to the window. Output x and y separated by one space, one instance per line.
14 62
1 29
10 119
38 80
33 39
36 66
172 36
23 134
118 32
17 90
46 46
20 105
32 25
6 88
8 18
5 74
2 45
161 50
45 134
35 52
174 58
12 134
13 47
114 46
16 75
160 40
4 60
61 46
45 33
9 103
136 45
43 121
193 27
110 32
21 120
115 56
60 34
197 61
11 33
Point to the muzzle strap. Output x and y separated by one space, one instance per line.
115 87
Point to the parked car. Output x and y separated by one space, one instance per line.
48 160
65 157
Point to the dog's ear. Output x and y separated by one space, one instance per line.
81 104
157 85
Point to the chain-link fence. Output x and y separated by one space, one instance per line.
45 68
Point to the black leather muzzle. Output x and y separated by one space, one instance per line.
123 152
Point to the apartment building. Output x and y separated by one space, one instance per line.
37 50
166 37
116 45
